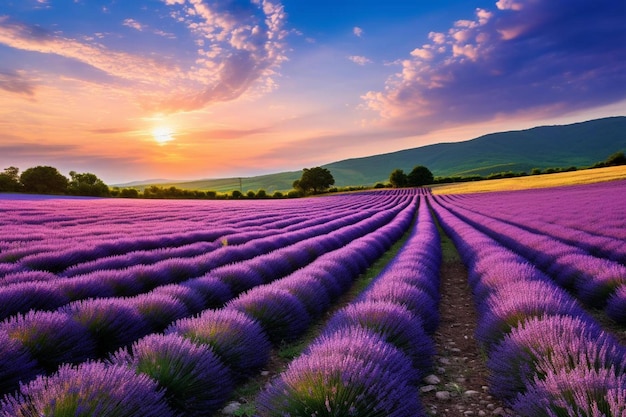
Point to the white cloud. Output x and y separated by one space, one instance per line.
359 60
526 55
357 31
132 23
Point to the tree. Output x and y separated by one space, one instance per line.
44 180
316 179
618 158
398 178
419 176
129 193
87 184
10 180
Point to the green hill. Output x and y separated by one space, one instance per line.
579 144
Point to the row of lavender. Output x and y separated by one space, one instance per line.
584 252
105 228
226 344
93 327
547 356
374 352
137 273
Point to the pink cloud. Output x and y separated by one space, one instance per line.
239 46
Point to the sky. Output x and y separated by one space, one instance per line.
191 89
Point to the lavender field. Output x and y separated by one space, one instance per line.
163 308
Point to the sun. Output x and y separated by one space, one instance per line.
162 134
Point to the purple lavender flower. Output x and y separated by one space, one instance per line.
84 286
281 314
503 272
336 276
196 382
187 295
616 305
214 292
511 303
596 288
16 363
237 340
14 276
419 302
354 373
541 345
577 392
91 389
309 290
159 310
239 277
50 337
111 322
21 297
395 323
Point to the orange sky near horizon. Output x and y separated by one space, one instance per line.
182 89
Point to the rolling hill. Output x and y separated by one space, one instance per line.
578 144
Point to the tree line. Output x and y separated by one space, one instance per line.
48 180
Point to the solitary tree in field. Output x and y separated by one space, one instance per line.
398 178
44 180
419 176
314 179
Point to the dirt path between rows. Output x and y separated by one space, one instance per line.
458 386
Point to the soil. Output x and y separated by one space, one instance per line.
459 362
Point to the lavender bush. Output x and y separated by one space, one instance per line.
195 381
352 373
236 339
91 389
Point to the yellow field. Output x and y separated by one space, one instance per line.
535 181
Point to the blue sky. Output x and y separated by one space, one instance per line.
188 89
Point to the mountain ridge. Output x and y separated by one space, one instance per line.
578 144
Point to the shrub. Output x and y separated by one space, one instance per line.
351 373
238 277
213 291
616 305
416 300
51 337
510 304
577 392
23 296
186 295
539 346
159 310
91 389
235 338
309 290
280 313
394 323
111 322
596 289
196 382
16 363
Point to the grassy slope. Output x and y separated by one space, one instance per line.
579 144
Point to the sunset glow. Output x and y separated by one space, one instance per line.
162 135
184 89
